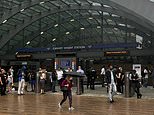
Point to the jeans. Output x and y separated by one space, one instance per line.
112 91
21 86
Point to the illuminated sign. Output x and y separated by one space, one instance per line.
23 56
116 53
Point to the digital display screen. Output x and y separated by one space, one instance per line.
65 63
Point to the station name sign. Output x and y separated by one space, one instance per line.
97 46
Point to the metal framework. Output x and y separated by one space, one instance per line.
47 23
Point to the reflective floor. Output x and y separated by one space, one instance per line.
47 104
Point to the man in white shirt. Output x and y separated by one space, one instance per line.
80 70
103 76
81 79
11 70
59 74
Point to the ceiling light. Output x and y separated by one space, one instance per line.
67 33
4 21
109 20
116 29
90 18
114 15
98 27
122 24
96 4
55 25
22 10
105 13
42 2
41 33
28 42
54 39
72 20
106 6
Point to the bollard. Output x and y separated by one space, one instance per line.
78 86
127 84
37 84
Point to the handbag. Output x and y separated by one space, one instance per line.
64 88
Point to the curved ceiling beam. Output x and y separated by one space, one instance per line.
66 21
71 30
142 8
12 33
37 33
136 8
16 10
121 5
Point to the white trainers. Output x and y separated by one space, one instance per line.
71 108
59 105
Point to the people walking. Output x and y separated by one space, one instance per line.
103 76
67 92
111 81
119 80
59 73
136 83
53 79
92 78
3 80
42 80
10 82
21 79
32 78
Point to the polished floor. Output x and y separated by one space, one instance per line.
47 104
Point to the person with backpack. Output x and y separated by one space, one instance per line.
66 88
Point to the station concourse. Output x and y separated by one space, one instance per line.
45 35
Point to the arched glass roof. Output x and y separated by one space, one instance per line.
54 23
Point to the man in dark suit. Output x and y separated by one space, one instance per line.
92 78
111 81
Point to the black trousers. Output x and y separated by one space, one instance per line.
136 88
92 83
53 85
3 89
65 95
88 82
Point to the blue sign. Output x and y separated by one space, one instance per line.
97 46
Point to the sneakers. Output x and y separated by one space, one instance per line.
71 108
59 105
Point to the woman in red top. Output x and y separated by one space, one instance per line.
67 83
